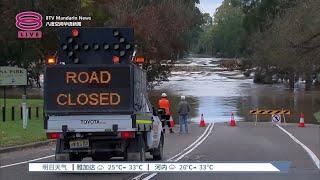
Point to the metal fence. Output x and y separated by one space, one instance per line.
15 113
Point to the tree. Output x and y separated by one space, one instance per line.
258 13
228 32
161 28
291 45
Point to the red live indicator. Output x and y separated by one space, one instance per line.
29 34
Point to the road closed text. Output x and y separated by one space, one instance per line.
92 99
85 79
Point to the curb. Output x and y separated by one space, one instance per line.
26 146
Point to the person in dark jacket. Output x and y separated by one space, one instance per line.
183 110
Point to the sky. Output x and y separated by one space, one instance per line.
209 6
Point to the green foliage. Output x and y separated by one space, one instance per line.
258 13
279 37
156 73
225 35
228 32
286 44
163 29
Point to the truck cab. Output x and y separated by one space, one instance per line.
95 97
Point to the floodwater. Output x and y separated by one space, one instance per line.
216 93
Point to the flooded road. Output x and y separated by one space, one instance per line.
217 93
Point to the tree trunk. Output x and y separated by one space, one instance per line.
291 81
308 78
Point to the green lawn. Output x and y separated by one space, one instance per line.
12 133
33 103
17 102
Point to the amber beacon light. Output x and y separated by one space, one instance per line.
139 60
75 32
116 59
51 60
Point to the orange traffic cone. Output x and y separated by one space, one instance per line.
202 123
301 123
232 120
171 121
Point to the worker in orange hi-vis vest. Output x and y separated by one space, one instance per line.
165 104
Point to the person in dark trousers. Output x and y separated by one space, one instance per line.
165 104
183 110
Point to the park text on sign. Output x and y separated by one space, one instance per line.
93 98
13 76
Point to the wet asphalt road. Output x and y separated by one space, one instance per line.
262 143
245 142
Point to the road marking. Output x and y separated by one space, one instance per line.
180 157
190 150
191 145
310 153
194 147
199 138
25 162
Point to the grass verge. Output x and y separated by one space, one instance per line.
12 132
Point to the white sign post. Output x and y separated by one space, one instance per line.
24 112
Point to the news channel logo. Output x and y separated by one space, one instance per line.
29 23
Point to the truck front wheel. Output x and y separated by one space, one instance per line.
158 152
59 155
142 148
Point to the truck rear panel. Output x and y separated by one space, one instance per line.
90 123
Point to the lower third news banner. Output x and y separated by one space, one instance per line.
158 167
